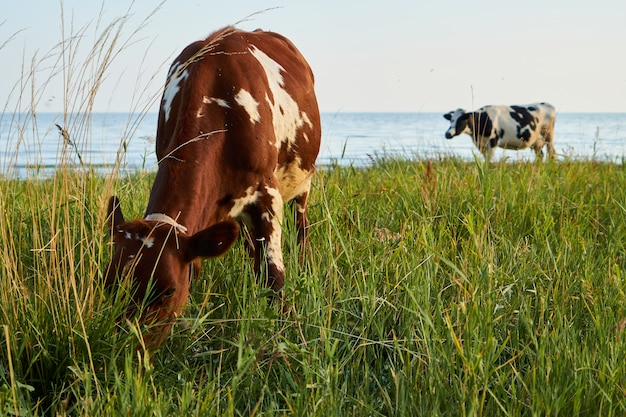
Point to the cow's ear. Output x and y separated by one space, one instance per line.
448 116
211 242
115 217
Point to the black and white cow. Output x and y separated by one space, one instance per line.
509 127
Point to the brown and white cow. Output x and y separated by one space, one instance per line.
508 127
238 135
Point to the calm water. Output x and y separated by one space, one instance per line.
31 147
355 137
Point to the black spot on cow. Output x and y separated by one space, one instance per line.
526 122
497 135
523 116
523 133
483 126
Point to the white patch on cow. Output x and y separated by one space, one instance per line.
209 100
305 119
293 180
240 203
286 114
274 251
148 242
219 101
174 78
249 104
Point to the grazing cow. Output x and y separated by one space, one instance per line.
238 135
509 127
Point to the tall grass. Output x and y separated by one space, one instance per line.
58 327
448 288
431 288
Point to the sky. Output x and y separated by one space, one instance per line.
391 56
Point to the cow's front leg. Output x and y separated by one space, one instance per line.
489 152
549 136
538 148
267 218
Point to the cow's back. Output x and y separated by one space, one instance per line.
236 105
517 126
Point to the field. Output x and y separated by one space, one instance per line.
443 288
431 288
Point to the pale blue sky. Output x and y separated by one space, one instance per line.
395 55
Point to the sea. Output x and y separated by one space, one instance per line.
34 145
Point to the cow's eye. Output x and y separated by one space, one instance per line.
169 292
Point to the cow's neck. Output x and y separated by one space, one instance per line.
188 204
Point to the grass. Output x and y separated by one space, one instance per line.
447 288
432 288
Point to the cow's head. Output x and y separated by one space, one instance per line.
458 123
158 256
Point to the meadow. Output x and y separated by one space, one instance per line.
441 287
430 288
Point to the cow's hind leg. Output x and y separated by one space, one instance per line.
302 225
548 134
302 222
